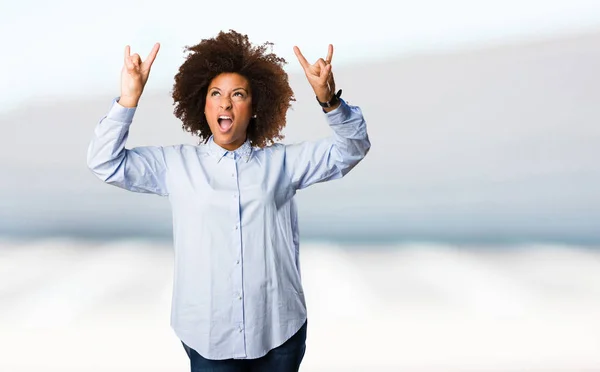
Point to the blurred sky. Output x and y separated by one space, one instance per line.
494 141
48 47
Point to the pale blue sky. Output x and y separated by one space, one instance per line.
74 48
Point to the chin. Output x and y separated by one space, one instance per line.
227 139
224 139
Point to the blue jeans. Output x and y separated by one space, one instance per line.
284 358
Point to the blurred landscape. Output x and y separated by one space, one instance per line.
488 145
467 239
81 306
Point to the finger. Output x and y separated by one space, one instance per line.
329 54
127 57
127 52
323 68
303 62
331 80
152 56
136 60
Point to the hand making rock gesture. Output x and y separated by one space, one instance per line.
134 76
319 75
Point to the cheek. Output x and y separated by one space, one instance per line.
209 106
210 112
245 111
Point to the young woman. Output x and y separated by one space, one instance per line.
238 302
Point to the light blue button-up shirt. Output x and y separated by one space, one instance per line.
237 291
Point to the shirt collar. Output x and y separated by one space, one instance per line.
244 151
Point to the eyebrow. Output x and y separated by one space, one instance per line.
240 88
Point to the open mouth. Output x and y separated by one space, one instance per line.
225 123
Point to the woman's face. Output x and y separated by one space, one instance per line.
228 109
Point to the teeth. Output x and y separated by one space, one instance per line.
225 117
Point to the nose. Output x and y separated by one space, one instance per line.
225 103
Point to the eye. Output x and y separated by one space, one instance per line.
214 93
238 94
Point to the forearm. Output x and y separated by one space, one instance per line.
350 139
106 150
140 169
330 158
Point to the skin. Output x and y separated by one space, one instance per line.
228 94
319 76
134 76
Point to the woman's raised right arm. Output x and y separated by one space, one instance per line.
141 169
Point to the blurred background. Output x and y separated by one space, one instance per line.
467 240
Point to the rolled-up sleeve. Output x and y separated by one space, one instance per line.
332 157
140 169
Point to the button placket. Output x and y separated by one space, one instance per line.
238 287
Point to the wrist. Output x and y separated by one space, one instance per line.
331 108
324 97
129 102
331 101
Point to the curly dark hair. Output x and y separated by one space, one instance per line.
232 52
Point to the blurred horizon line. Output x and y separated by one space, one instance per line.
344 240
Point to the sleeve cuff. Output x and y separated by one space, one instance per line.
120 113
340 113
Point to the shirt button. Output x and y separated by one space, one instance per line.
239 297
232 174
240 330
234 196
236 227
237 262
